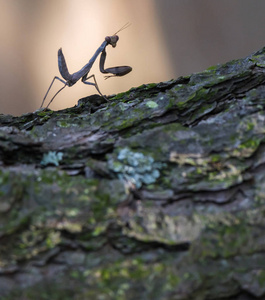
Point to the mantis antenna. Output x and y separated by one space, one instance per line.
123 27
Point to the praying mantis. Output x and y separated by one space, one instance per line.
71 79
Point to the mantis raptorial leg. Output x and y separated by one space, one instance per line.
71 79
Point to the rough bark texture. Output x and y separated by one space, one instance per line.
157 194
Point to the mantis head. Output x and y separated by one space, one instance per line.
112 40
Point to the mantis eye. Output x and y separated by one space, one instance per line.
108 39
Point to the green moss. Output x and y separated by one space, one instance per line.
171 103
15 223
44 291
227 236
250 144
173 280
258 60
127 269
68 205
4 177
212 68
151 85
250 126
119 96
141 87
215 158
204 109
63 124
45 113
261 277
181 104
53 239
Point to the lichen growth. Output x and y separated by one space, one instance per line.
135 167
52 158
151 104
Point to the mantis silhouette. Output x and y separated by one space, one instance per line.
71 79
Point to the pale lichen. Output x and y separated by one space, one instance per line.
52 158
135 167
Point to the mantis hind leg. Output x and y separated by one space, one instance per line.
55 77
56 95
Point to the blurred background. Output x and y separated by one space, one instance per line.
167 39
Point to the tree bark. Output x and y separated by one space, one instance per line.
157 194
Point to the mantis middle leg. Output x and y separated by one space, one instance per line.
84 80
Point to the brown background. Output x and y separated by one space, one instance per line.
167 39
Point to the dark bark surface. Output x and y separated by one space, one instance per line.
157 194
